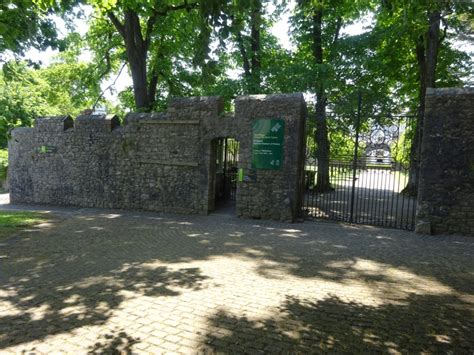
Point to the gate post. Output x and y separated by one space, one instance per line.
356 153
446 185
272 155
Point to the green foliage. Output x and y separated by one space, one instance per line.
27 93
398 28
23 25
380 63
22 98
3 164
27 24
401 148
192 51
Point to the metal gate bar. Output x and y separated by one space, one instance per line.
367 188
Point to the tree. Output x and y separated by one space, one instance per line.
27 93
21 99
24 25
137 42
422 30
162 42
149 36
242 28
238 18
317 28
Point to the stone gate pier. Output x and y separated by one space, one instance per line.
446 185
165 161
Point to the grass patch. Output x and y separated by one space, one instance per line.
12 222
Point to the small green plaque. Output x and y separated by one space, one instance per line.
47 149
267 143
240 175
248 176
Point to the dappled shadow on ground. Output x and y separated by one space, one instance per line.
53 282
315 250
118 342
45 306
77 273
305 326
373 206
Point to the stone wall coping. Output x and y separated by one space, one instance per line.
52 119
264 97
61 123
143 116
110 121
105 118
60 118
193 99
449 91
171 122
18 131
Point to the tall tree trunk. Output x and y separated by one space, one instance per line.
255 24
427 49
243 53
322 140
251 57
152 87
137 45
136 49
139 79
136 54
321 135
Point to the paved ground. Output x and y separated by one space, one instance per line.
100 281
378 200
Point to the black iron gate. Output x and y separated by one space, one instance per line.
227 158
367 184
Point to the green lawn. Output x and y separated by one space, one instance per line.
12 222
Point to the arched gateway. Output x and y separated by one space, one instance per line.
166 161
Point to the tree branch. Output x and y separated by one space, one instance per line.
108 87
333 49
149 28
184 6
116 22
445 30
155 14
152 86
243 52
338 30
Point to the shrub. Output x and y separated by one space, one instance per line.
3 164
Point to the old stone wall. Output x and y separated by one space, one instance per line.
446 186
158 161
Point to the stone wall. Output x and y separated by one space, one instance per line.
158 161
446 187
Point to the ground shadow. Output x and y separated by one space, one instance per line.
77 272
332 325
118 342
76 282
372 206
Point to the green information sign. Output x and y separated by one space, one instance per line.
267 143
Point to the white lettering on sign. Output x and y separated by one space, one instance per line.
276 127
